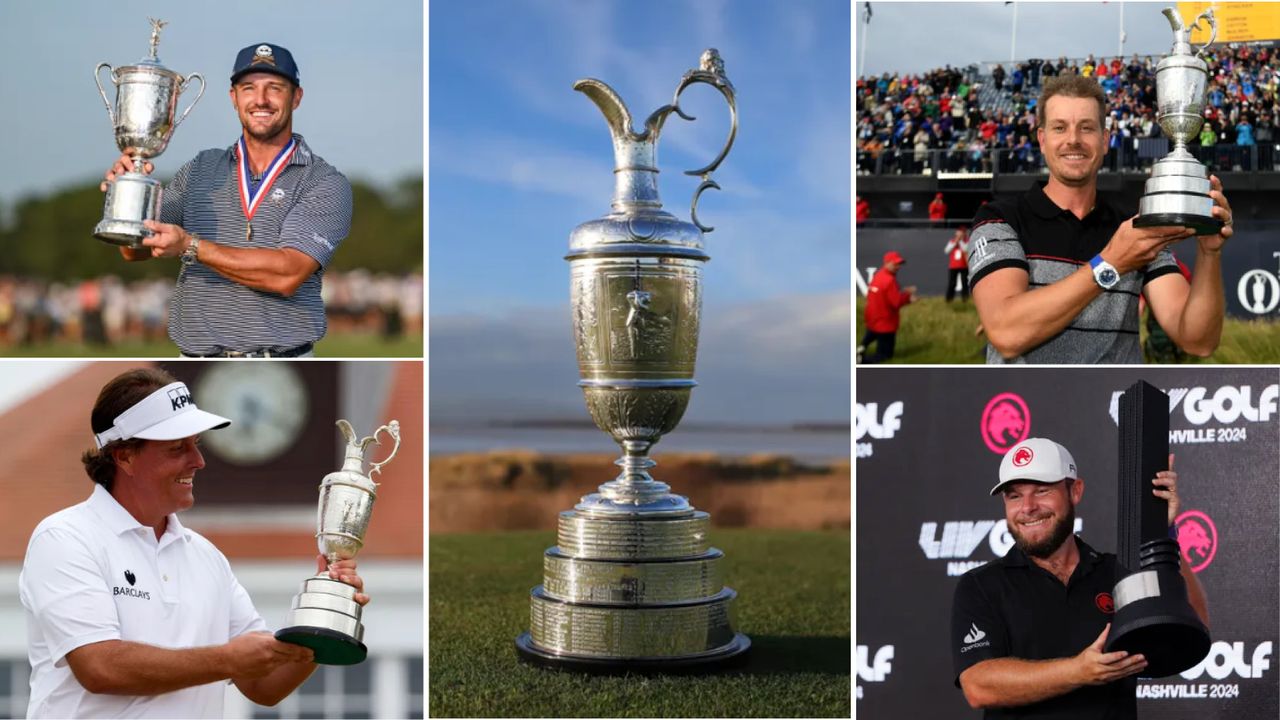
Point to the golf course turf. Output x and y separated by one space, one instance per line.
793 601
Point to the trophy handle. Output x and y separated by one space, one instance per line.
393 429
711 72
182 88
1213 29
97 78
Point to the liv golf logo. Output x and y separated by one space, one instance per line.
1259 290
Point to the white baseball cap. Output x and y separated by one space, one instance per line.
1036 460
166 414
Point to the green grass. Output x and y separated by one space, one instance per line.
332 346
793 601
934 331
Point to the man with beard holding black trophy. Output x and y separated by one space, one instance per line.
254 225
1028 630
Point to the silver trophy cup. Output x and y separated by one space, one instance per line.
325 615
633 583
143 119
1177 193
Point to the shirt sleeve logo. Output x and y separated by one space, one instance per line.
975 639
1105 602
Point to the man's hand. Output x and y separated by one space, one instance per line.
1133 248
123 165
1166 482
1099 668
256 654
166 240
344 571
1222 211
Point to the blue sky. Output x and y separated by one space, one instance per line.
517 159
361 65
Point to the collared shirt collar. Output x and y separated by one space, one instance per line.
301 156
1045 208
119 521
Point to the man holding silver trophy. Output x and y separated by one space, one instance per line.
1057 273
129 613
254 224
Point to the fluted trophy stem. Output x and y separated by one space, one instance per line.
632 583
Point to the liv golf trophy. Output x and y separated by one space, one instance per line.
325 615
1177 193
146 102
633 583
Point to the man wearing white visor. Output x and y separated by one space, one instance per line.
130 614
1028 630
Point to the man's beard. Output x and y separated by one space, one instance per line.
1043 549
272 131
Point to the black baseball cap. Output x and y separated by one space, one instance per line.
268 58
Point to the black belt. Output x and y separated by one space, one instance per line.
263 353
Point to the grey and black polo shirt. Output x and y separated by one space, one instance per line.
1049 243
307 208
1013 608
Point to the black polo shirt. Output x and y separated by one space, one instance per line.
1049 243
1013 608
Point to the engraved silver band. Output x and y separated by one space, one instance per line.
583 536
613 582
630 632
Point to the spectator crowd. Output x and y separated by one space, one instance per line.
902 120
109 311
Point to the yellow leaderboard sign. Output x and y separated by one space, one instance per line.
1237 21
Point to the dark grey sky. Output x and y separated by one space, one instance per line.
913 37
361 65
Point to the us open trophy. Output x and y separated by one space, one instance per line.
325 615
1177 193
143 118
633 583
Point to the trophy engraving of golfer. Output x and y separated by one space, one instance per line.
325 615
633 583
1177 193
143 119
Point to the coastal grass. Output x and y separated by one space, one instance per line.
934 331
793 601
332 346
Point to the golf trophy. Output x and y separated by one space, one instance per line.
143 118
325 615
1177 193
633 583
1152 614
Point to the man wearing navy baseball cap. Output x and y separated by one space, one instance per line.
1018 624
253 224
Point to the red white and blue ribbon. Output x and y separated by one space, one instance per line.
250 198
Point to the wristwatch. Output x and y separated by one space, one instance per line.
1103 272
188 256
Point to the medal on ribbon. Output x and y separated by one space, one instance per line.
251 197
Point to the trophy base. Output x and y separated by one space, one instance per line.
1201 224
733 654
126 233
331 647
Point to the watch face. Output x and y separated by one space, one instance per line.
1108 277
266 402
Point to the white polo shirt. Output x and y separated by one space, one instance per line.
93 573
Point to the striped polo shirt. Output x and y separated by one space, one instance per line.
307 208
1049 243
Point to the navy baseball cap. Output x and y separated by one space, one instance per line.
266 58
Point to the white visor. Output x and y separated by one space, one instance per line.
166 414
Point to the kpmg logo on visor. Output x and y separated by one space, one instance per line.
179 397
1006 421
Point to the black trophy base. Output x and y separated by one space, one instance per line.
330 646
730 656
1201 224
